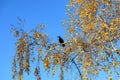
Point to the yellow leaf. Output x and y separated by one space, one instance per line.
116 63
40 50
110 78
38 78
86 22
57 60
54 71
26 64
37 35
90 27
20 77
70 4
47 63
103 24
79 1
74 39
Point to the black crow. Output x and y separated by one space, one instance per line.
61 41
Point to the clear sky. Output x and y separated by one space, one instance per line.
49 12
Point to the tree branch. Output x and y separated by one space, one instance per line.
77 68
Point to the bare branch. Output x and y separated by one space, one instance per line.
77 68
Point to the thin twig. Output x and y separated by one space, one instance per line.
113 46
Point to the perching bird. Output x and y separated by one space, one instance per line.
61 41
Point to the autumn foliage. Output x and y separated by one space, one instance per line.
92 43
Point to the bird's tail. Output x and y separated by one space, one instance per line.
63 45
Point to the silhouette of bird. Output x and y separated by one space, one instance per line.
61 41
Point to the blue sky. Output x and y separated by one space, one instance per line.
49 12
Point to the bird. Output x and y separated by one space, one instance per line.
61 41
